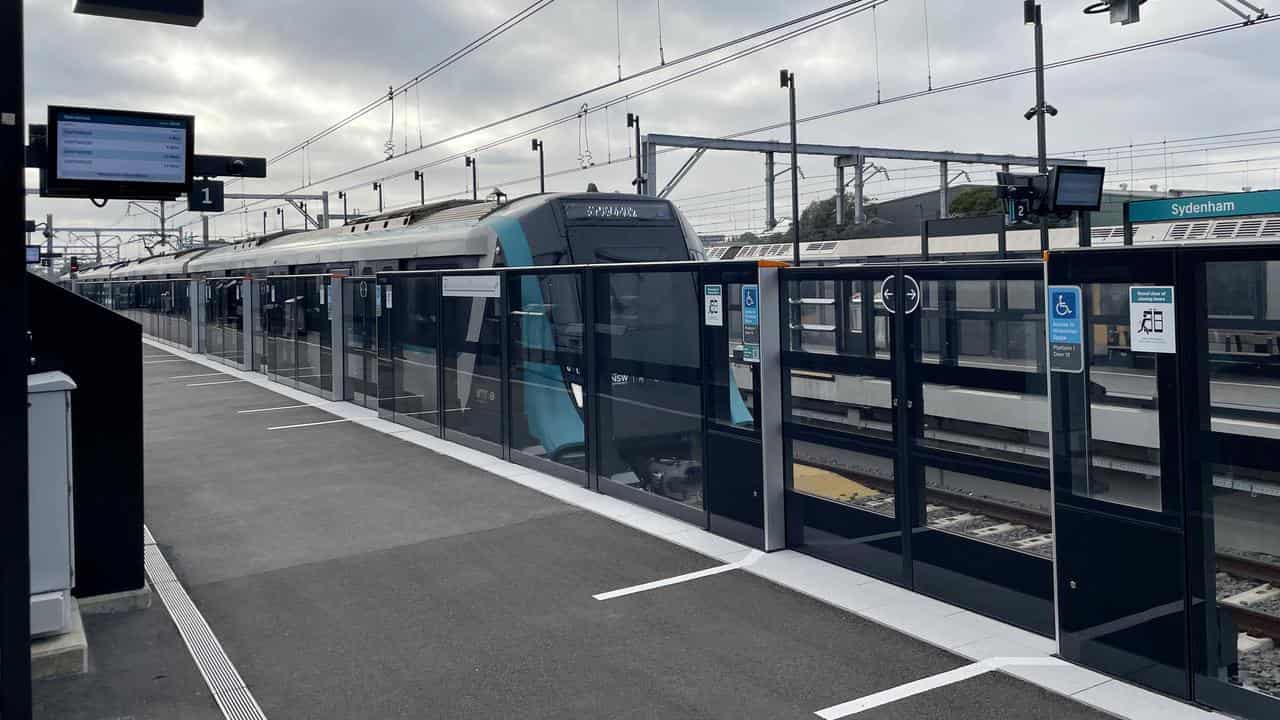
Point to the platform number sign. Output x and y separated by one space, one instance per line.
1151 319
1066 329
751 323
205 196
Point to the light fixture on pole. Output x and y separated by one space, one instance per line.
343 197
542 170
471 163
787 79
422 186
633 121
378 186
280 214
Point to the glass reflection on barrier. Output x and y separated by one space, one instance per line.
844 317
858 404
472 353
650 383
1242 490
547 362
415 350
1124 406
315 333
995 323
359 340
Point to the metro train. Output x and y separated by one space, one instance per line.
533 231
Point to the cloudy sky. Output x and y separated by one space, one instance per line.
261 77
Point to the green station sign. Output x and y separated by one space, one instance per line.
1198 207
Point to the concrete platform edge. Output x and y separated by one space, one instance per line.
931 621
126 601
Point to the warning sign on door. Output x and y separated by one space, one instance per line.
1151 319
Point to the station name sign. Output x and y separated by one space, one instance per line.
617 211
1261 202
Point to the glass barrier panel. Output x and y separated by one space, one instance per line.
472 353
842 508
996 426
650 380
414 322
1240 493
360 334
547 346
1244 347
1124 406
315 333
845 476
995 324
263 346
844 317
858 404
213 319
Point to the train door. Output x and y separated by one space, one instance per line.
1118 490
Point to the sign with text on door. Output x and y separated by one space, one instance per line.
1152 324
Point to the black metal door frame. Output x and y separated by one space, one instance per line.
1121 570
991 579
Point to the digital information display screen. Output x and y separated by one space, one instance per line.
33 254
109 153
1078 188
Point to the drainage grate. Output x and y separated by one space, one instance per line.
224 682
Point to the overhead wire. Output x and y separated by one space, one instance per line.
844 6
455 56
1160 42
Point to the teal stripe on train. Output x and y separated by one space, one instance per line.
552 417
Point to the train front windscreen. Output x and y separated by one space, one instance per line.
623 231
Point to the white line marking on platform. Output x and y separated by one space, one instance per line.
750 558
188 377
933 682
272 409
311 424
224 681
215 382
158 362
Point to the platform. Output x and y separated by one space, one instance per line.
350 567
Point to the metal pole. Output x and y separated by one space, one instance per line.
859 204
162 235
97 247
264 222
204 230
1041 155
324 205
15 572
639 165
943 210
48 242
840 208
795 175
542 170
770 213
475 182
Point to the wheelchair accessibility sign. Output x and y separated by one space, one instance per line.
1151 319
1066 329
